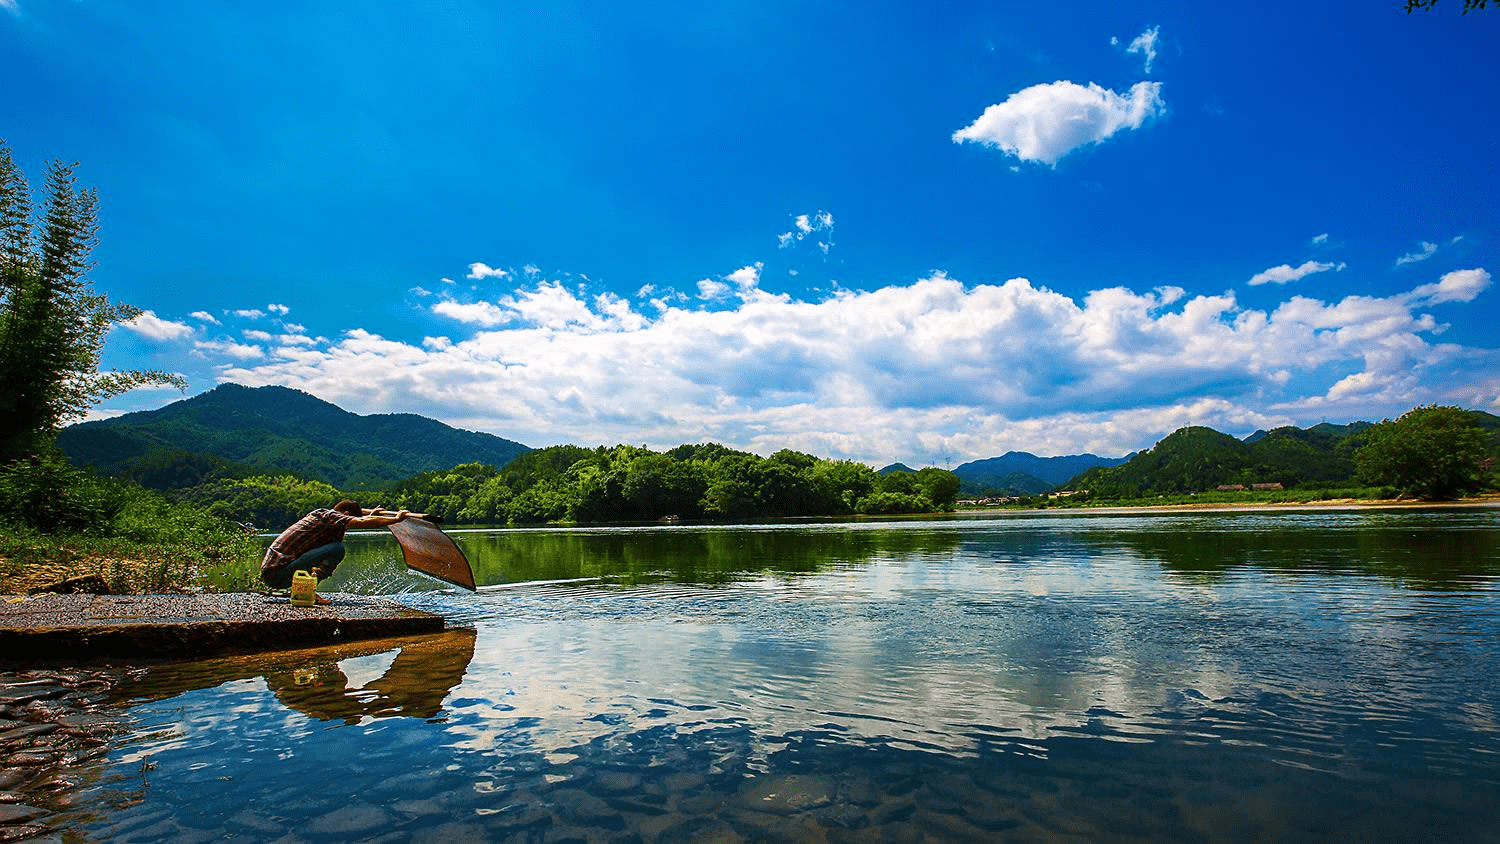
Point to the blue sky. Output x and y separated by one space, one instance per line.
868 230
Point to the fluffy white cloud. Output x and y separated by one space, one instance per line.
743 282
149 325
1319 240
249 313
1286 272
476 313
1046 122
934 366
1457 286
712 290
478 270
279 310
204 316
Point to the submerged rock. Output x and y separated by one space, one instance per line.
789 793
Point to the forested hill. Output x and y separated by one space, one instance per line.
275 430
1196 459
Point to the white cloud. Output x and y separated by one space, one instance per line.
149 325
204 316
1319 240
1427 251
1144 45
1046 122
743 282
1286 272
228 348
279 310
745 277
1457 286
256 335
901 371
249 313
711 289
478 313
805 225
479 270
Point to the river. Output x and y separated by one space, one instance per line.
1297 676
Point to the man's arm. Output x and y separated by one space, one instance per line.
378 519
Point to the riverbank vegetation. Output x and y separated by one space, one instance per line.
607 484
65 529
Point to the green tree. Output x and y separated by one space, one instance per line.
1431 452
52 321
939 485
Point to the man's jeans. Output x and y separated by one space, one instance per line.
324 558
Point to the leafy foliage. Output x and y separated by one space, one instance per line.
1432 452
629 483
1429 5
263 500
52 321
57 521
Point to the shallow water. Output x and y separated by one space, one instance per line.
1184 677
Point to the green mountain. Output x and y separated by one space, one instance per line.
1023 473
1196 459
236 430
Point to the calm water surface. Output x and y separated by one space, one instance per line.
1187 677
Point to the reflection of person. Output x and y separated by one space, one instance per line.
315 544
415 684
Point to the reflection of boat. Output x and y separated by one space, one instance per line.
420 677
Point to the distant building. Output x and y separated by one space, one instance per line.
1272 485
1230 488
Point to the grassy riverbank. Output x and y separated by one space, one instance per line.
58 523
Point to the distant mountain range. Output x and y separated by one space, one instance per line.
1022 473
233 429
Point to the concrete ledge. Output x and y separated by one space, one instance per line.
82 628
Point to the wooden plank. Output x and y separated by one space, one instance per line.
431 552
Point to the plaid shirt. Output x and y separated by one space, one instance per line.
319 527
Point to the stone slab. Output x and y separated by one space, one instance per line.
81 628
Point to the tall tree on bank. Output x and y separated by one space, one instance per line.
1432 452
52 321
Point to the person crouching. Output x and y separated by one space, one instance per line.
315 544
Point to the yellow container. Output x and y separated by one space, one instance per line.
304 589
